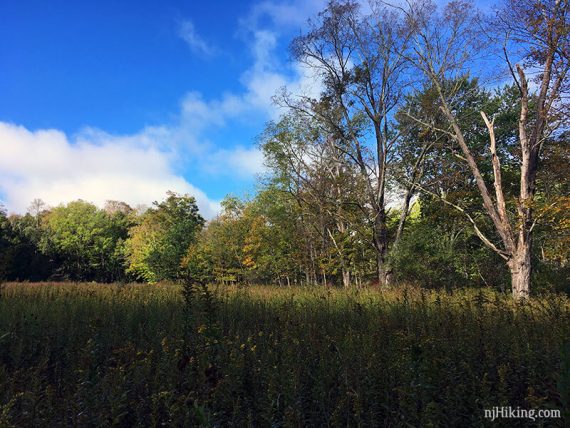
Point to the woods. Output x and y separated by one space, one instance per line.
435 152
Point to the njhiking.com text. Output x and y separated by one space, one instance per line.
508 412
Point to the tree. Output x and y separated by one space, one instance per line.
36 207
443 46
157 245
327 188
359 60
28 262
84 241
275 247
5 259
225 238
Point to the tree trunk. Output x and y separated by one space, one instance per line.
520 268
381 245
403 216
345 278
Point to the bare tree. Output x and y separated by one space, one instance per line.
36 207
114 207
359 59
446 46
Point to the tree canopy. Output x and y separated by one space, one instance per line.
436 153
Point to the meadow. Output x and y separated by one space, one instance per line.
79 354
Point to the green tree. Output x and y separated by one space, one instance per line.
223 242
357 54
84 241
328 190
274 249
256 241
28 261
159 242
5 232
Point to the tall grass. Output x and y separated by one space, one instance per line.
123 355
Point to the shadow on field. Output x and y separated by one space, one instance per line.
92 355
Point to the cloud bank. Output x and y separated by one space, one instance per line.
49 165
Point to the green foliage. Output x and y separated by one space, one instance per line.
436 256
27 261
87 242
272 249
219 254
328 199
158 244
254 241
5 260
139 355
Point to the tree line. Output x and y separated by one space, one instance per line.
79 241
435 152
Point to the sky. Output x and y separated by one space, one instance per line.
125 100
128 99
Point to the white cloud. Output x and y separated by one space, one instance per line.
188 33
46 164
261 81
263 26
240 162
139 168
283 14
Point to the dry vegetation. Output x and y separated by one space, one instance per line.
123 355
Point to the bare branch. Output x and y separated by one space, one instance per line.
504 254
498 181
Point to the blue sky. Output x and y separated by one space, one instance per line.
128 99
114 65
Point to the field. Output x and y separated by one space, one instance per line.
124 355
